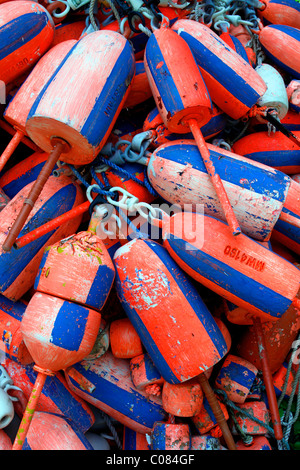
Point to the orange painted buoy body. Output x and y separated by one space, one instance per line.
273 37
148 281
144 374
259 411
239 269
68 30
236 378
125 343
5 441
26 31
205 420
56 397
169 436
279 337
206 442
234 86
275 150
279 379
168 63
18 268
77 268
140 90
86 114
106 383
22 173
16 113
280 12
12 343
258 443
61 432
133 440
67 335
184 400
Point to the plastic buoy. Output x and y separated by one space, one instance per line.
101 55
6 409
182 99
16 113
275 96
179 177
68 335
26 32
106 383
272 37
234 86
58 196
61 432
148 279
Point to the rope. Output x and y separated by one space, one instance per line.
112 429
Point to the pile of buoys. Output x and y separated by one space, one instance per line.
149 225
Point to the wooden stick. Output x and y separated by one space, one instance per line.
267 377
217 411
35 191
215 178
11 147
290 219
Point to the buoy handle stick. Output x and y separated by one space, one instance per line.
217 411
267 377
11 147
289 219
51 225
29 411
215 178
34 193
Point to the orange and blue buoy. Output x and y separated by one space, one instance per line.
286 12
171 436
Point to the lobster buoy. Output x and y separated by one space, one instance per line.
206 442
75 128
205 421
275 150
140 90
178 176
16 113
22 173
183 400
258 443
5 441
26 32
145 375
272 37
67 262
12 343
68 30
247 425
7 411
234 86
236 378
171 436
275 96
106 384
56 396
285 12
239 269
18 268
133 440
125 343
61 434
146 280
283 382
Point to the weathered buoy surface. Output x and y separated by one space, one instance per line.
18 268
106 384
26 32
280 12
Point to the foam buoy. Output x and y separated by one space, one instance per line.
272 37
26 31
101 55
106 383
234 86
68 334
19 268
